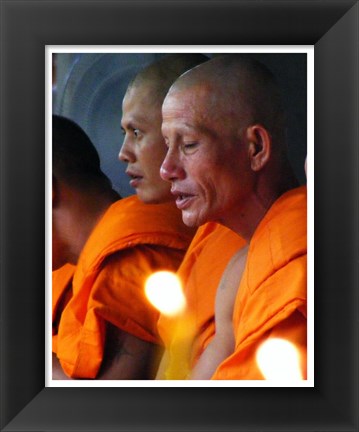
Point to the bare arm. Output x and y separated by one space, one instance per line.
118 291
222 345
128 357
125 357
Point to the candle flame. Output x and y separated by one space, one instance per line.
279 359
164 291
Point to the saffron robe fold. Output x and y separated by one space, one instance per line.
200 273
61 294
131 241
272 296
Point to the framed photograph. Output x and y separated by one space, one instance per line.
90 85
89 88
331 30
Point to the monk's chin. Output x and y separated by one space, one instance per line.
192 220
155 198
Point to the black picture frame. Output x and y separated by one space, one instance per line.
26 28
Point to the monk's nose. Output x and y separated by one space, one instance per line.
126 154
171 168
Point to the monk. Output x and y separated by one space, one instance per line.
223 124
213 244
103 250
143 148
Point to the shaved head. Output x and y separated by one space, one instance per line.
239 86
161 74
223 124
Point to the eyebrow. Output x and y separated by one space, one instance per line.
198 129
131 123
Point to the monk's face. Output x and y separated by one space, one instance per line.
206 159
143 147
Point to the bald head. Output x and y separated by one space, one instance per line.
226 160
161 74
240 86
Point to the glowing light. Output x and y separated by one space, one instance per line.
279 359
163 289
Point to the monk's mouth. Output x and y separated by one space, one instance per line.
183 201
135 181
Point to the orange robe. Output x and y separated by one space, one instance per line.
271 299
61 294
200 273
131 241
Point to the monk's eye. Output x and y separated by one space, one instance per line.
137 133
188 148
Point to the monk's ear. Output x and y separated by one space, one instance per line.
259 146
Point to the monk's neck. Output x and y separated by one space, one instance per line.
245 219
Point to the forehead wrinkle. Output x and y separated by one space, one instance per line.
248 86
201 128
188 100
228 85
205 109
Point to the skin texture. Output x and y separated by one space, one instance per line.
222 345
139 359
201 171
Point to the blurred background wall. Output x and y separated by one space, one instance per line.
89 88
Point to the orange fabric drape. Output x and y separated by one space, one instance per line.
200 273
272 296
131 241
61 293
